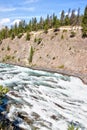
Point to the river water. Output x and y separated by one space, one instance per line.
40 100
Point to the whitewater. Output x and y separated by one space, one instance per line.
40 100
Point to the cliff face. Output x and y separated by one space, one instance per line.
58 50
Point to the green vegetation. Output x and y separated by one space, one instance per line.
3 90
72 127
84 24
18 59
20 35
62 37
27 36
8 48
72 34
61 66
12 36
31 54
7 58
51 21
38 40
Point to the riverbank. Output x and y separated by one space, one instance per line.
63 51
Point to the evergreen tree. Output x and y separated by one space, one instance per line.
78 17
62 18
84 23
73 18
54 22
34 24
29 26
41 23
46 28
67 20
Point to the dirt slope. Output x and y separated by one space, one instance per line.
55 51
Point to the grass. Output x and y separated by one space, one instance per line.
72 127
61 66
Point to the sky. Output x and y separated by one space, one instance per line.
12 11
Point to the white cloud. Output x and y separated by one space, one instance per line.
5 9
76 12
16 21
4 21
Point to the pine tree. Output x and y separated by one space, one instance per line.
84 23
78 17
62 18
73 18
34 24
31 54
41 22
67 20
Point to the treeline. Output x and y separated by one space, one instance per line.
71 19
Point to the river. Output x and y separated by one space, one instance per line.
40 100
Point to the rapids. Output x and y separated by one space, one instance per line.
40 100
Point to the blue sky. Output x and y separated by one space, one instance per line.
15 10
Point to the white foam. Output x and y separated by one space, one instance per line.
55 99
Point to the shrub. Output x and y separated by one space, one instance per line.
27 36
84 34
7 57
18 59
56 33
52 37
3 90
72 127
0 42
72 34
12 36
20 35
56 29
64 30
13 57
8 48
61 66
38 40
62 37
3 60
46 29
15 51
35 40
2 48
54 58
